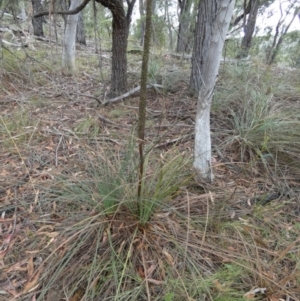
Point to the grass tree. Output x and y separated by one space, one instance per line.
211 29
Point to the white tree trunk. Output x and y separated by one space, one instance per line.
68 56
209 74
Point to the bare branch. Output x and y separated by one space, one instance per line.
136 89
247 10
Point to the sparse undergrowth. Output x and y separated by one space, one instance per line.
72 227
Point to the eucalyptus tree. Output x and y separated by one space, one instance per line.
120 30
212 25
184 23
80 29
249 23
68 56
37 23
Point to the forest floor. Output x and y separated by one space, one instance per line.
234 239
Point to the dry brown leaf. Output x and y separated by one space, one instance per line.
77 296
249 296
150 270
18 266
157 282
33 283
45 227
168 256
140 271
94 282
30 267
219 286
49 234
6 246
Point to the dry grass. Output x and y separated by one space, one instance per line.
70 228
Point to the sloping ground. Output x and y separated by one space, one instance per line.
235 239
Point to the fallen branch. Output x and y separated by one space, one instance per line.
129 93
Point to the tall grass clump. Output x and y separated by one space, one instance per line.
104 249
260 126
161 181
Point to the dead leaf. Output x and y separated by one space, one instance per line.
77 296
30 267
141 272
168 256
33 283
157 282
218 285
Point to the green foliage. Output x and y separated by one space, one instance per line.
107 185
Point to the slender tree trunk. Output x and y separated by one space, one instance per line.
249 28
201 41
68 56
143 92
80 31
169 25
184 22
211 29
37 23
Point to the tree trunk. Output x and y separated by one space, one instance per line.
249 27
169 24
68 56
80 31
211 29
120 30
184 23
37 23
119 55
65 5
